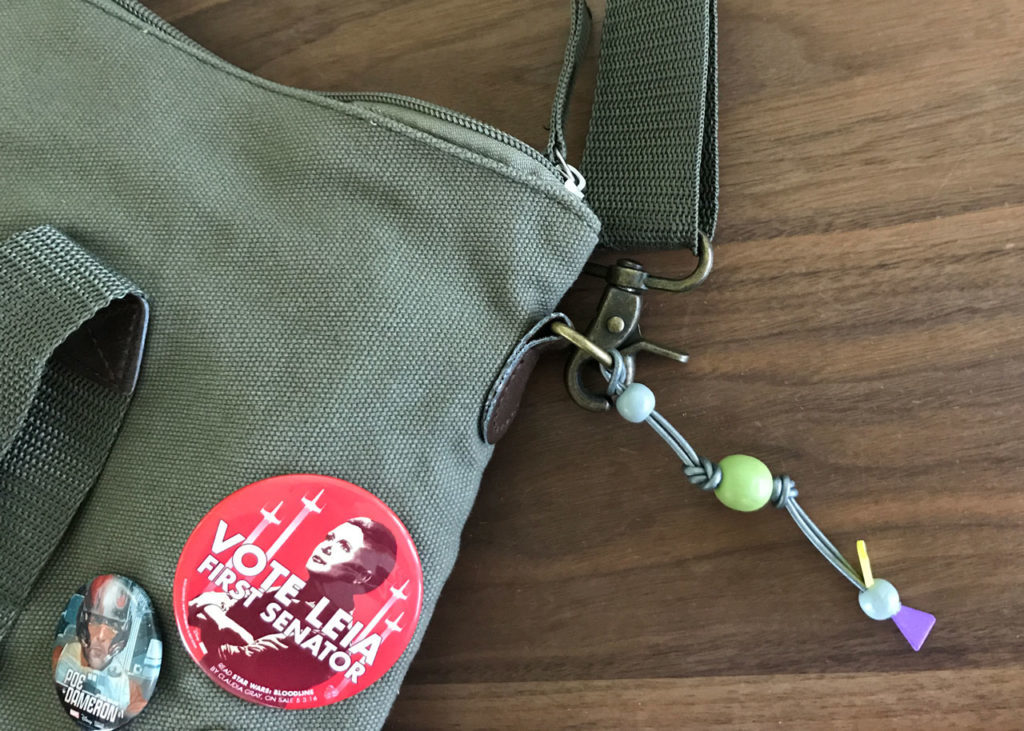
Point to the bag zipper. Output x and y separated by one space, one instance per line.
569 175
450 116
146 15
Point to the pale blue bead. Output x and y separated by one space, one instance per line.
880 600
635 403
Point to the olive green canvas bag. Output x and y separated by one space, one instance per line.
207 279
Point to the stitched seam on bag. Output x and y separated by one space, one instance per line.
502 397
478 160
297 94
509 370
497 394
131 343
498 389
99 351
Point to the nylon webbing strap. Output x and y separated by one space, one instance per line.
71 333
651 157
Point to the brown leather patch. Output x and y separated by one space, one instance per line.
502 404
107 348
506 405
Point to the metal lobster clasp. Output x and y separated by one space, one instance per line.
617 323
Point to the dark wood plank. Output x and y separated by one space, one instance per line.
814 701
863 331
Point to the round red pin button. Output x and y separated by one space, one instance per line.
298 591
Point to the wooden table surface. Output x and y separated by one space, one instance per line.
863 331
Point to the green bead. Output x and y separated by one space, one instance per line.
746 483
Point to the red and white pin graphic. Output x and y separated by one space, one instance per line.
298 591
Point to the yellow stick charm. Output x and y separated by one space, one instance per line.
865 563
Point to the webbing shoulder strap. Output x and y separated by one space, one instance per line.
651 156
71 335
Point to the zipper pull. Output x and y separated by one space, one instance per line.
574 180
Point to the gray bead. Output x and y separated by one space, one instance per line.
880 600
635 403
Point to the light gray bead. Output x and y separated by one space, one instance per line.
880 600
635 403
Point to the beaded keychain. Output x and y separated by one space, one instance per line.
744 483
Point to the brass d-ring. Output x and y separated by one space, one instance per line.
576 338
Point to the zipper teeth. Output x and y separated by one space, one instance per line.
448 116
148 16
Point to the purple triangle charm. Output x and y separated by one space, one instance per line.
914 624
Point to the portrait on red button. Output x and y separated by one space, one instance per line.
298 591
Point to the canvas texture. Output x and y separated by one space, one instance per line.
334 287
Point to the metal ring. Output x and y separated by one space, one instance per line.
583 343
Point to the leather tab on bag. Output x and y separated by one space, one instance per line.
502 405
108 348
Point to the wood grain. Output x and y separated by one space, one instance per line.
863 331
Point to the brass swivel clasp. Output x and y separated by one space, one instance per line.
616 326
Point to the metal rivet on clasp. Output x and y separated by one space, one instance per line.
629 274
